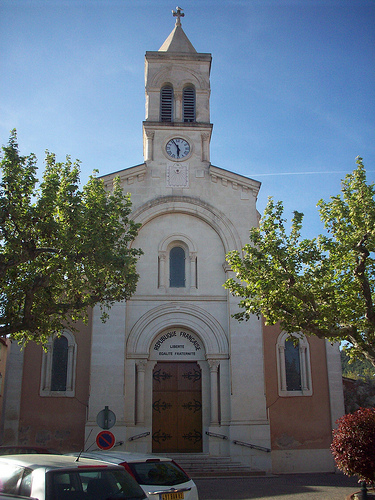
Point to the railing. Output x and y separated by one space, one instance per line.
212 434
241 443
253 446
221 436
138 436
118 443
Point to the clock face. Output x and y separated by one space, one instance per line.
177 148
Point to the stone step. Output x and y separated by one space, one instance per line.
203 466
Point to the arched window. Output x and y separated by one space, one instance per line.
292 366
188 104
177 267
59 366
293 361
177 264
166 103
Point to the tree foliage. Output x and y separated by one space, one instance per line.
356 368
353 444
358 393
323 286
62 249
359 383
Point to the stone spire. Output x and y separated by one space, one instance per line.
177 41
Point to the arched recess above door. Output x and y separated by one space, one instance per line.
175 314
221 224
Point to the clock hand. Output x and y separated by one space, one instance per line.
177 148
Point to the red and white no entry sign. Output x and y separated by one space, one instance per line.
105 440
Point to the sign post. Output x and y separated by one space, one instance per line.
106 418
105 440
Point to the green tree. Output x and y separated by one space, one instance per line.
359 383
63 250
323 286
356 368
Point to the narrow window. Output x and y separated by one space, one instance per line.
166 104
59 364
188 105
177 267
292 366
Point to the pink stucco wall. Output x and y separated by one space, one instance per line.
55 422
298 422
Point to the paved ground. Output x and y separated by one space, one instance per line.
294 487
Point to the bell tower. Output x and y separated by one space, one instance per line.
177 128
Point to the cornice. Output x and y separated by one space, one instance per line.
236 179
138 171
173 125
181 56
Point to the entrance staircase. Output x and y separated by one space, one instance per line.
204 466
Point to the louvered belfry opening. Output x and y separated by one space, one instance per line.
166 103
189 104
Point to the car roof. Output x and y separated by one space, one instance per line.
34 461
17 449
20 447
122 456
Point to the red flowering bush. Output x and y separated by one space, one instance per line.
353 445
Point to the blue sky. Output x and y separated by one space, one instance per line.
292 86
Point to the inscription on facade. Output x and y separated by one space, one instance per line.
177 344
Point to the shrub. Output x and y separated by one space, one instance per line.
353 445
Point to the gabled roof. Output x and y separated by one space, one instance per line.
177 41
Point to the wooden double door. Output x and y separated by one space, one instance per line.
177 408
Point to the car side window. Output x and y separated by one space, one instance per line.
92 485
158 473
10 476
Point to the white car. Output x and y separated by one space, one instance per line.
159 477
58 477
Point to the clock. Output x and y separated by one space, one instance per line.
177 148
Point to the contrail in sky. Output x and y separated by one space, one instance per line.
306 173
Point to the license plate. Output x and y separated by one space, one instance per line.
178 495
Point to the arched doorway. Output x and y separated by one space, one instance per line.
177 392
177 408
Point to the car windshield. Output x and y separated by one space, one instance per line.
91 484
158 473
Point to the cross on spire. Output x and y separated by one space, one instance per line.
178 14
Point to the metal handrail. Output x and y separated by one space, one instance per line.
139 436
118 443
253 446
221 436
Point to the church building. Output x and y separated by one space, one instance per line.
177 373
